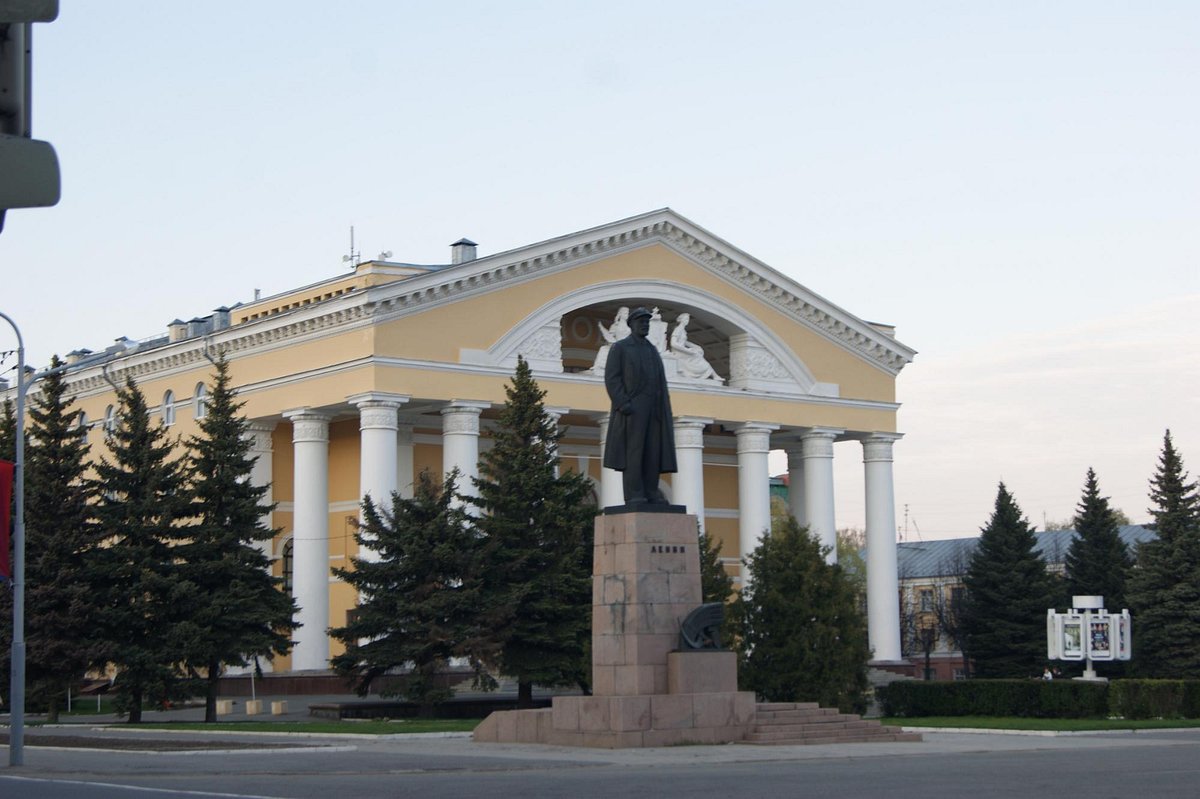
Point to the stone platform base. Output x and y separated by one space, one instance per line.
620 722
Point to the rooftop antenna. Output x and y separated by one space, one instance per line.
354 257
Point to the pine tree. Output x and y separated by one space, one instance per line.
537 527
238 611
800 634
61 543
1008 593
419 601
1097 561
1164 589
143 499
715 583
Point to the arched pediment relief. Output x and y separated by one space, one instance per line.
689 349
564 336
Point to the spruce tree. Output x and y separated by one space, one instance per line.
537 528
237 611
419 599
62 578
1008 593
800 633
1164 589
1097 561
8 431
8 452
715 583
143 499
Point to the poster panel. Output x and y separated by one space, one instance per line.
1100 636
1073 642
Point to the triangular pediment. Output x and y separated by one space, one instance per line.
664 227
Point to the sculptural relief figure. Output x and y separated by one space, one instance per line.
658 331
692 362
641 433
618 330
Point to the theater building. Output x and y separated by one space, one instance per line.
357 383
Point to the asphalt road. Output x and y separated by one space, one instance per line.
1147 765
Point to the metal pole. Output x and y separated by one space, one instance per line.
16 739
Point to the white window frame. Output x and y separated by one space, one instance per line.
168 408
201 400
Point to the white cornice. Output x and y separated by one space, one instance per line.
332 317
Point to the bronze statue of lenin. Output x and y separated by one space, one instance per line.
641 433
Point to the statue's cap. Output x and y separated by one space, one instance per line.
639 311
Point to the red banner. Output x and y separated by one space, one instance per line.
6 489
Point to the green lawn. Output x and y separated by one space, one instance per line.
1058 725
366 727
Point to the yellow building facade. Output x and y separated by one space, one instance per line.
356 384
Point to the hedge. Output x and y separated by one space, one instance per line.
1153 699
1025 698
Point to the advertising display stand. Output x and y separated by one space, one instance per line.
1089 633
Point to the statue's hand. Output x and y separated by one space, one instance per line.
627 409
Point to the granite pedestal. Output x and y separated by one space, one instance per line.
646 579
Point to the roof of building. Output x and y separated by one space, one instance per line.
949 557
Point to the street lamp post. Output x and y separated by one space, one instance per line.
16 734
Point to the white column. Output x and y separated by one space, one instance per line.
796 506
262 474
377 475
816 447
883 605
612 491
310 537
460 442
556 412
754 486
405 471
688 481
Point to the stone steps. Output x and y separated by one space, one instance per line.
805 723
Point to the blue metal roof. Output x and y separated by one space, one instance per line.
949 557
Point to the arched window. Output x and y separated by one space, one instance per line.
168 408
201 401
83 425
287 566
110 419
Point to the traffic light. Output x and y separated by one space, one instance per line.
28 168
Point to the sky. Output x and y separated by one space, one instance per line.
1015 186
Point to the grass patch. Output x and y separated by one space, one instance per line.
1056 725
369 727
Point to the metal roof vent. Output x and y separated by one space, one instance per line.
462 251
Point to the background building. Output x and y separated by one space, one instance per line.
931 588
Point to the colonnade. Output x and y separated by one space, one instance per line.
386 464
